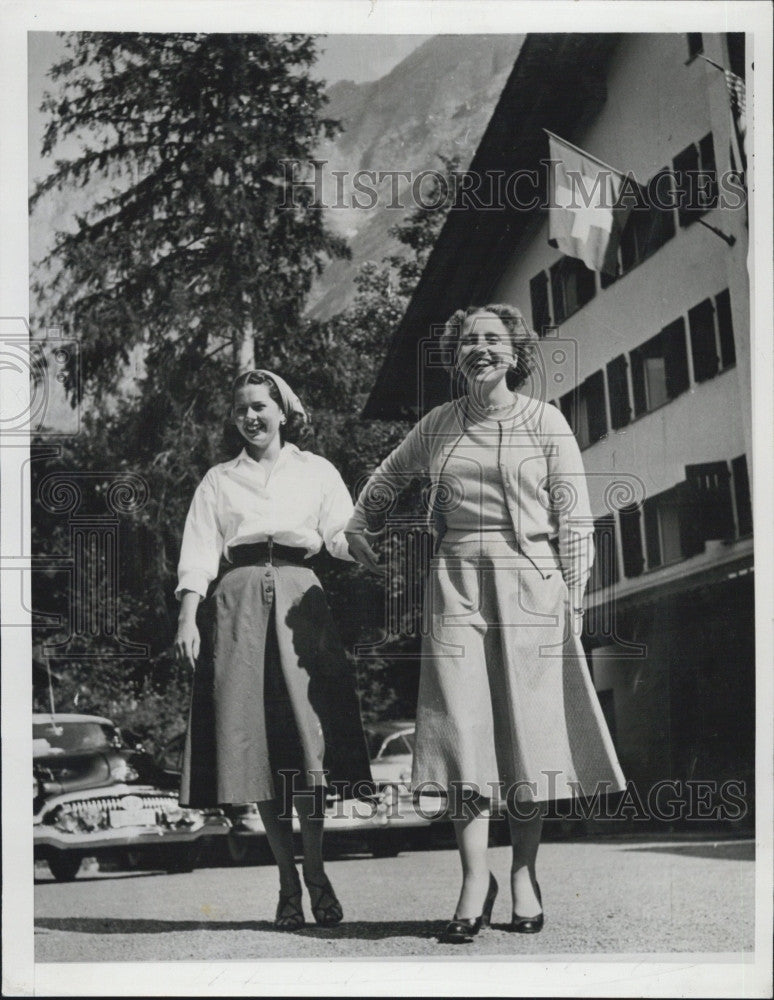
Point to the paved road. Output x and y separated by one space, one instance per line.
618 896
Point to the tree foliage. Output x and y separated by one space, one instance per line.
185 247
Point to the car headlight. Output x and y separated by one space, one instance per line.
35 787
121 770
66 820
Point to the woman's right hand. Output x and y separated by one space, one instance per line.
187 642
361 552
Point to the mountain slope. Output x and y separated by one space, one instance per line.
437 100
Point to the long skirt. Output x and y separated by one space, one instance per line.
274 707
506 701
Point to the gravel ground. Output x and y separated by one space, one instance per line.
622 896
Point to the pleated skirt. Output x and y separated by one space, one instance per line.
506 701
274 707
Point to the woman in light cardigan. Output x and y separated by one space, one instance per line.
506 707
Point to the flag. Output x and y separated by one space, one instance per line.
585 219
737 96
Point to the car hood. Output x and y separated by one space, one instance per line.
70 772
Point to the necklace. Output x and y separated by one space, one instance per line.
497 407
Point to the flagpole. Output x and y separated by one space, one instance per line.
712 63
582 152
730 239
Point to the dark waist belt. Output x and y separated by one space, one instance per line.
258 553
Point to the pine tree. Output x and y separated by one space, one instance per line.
192 246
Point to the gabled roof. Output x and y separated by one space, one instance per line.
558 83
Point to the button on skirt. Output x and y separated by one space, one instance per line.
506 701
273 691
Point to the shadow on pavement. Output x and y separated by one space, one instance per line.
363 930
731 851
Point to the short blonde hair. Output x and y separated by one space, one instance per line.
523 338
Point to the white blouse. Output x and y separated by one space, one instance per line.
303 503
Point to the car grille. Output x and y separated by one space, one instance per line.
102 812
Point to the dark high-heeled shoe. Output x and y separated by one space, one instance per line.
529 925
325 904
462 930
290 915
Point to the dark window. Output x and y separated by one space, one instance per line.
584 410
695 44
660 368
604 570
709 500
631 540
669 531
712 336
572 286
618 391
696 180
742 495
680 520
538 293
649 228
701 322
725 329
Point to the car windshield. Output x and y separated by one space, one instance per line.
385 745
65 737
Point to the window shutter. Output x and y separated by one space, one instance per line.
709 196
595 404
675 357
605 555
557 292
695 44
725 329
701 321
662 218
652 539
538 293
567 406
710 485
742 495
638 384
586 282
618 390
689 513
631 540
685 164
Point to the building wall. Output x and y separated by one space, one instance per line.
658 102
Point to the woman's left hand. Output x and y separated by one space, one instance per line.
362 552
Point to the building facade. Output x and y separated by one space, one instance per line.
650 367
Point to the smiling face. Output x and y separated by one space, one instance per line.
256 415
485 349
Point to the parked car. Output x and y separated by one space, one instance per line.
93 795
391 749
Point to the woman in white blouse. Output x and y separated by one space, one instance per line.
506 708
274 712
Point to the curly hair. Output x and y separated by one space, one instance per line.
523 338
295 430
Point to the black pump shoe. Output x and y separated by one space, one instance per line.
463 930
528 925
